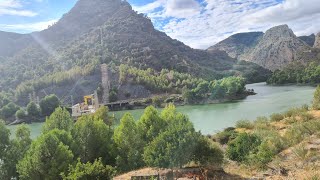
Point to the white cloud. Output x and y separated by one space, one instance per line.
29 27
203 24
14 7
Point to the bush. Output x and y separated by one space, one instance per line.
48 104
225 136
21 114
262 157
157 101
242 146
276 117
244 124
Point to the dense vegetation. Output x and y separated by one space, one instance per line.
193 89
297 73
92 148
10 111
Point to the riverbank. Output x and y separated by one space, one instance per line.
160 101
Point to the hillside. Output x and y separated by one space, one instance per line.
308 39
274 49
238 44
66 57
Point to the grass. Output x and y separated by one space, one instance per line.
276 117
300 151
244 124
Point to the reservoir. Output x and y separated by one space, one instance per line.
212 118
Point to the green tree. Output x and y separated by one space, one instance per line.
173 147
102 113
151 124
9 110
48 157
15 152
207 153
21 114
94 140
86 171
59 119
129 144
33 110
4 138
48 104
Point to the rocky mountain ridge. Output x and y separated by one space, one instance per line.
274 49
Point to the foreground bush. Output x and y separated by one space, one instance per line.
240 148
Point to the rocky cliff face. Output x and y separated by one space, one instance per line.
238 44
317 41
273 50
278 47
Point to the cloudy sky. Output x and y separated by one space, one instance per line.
197 23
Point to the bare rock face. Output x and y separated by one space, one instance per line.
278 47
317 42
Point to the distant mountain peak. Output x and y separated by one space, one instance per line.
282 31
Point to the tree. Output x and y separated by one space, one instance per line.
48 104
173 147
129 144
94 139
102 113
48 157
21 114
86 171
33 110
150 124
59 119
9 110
4 138
15 152
207 153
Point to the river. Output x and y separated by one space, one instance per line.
212 118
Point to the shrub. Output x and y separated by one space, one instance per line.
276 117
264 155
243 145
244 124
21 114
225 136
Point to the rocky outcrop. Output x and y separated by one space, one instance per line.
275 49
238 44
278 47
317 41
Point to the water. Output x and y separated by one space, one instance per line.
212 118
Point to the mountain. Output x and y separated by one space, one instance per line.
238 44
275 49
65 58
308 39
317 41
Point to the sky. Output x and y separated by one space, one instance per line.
197 23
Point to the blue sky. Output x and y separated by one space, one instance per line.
197 23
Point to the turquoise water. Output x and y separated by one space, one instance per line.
215 117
